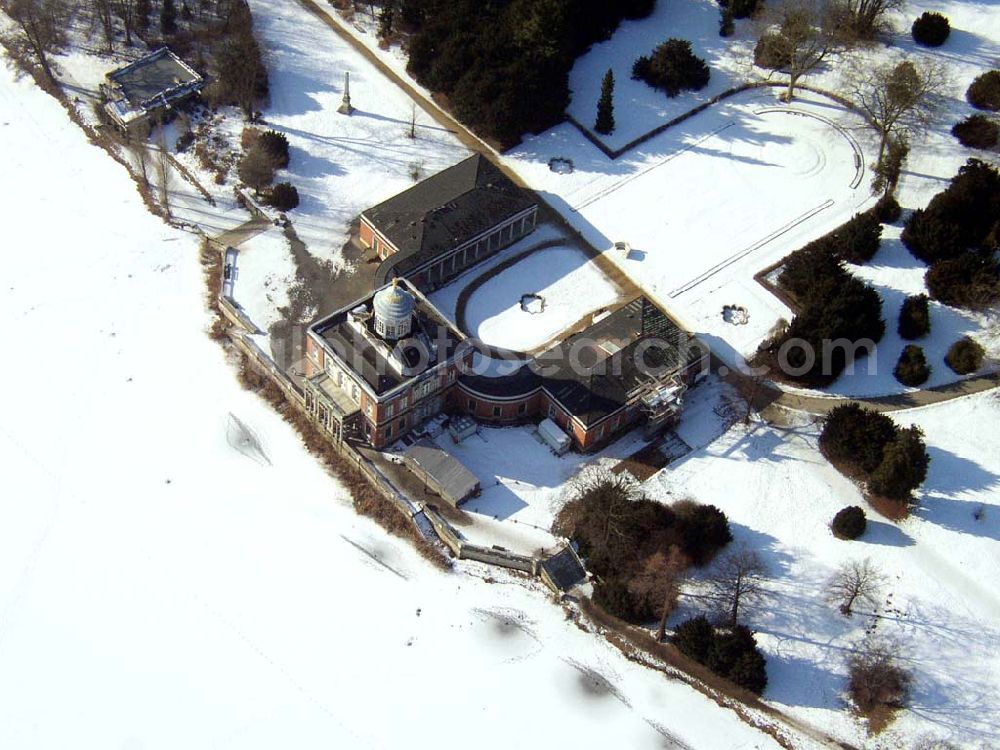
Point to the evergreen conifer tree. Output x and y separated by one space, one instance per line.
606 106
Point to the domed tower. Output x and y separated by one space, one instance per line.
393 307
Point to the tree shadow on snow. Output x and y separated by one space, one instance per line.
885 534
497 501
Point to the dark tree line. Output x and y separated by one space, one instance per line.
731 652
504 64
958 235
836 309
635 546
868 445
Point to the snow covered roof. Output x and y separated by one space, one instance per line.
153 81
446 210
368 356
449 476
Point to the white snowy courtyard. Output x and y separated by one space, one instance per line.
529 303
161 589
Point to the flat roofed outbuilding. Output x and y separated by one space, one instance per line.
441 472
152 83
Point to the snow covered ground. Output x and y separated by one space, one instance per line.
942 601
161 589
734 189
266 273
341 165
896 274
639 107
445 299
712 201
570 287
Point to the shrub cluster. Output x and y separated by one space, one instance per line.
931 29
959 218
957 235
856 241
731 653
672 68
965 356
971 280
740 8
284 196
504 66
914 317
876 682
912 368
833 304
625 537
275 145
772 51
984 91
264 153
849 523
868 445
977 131
887 209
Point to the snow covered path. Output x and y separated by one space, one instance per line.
160 589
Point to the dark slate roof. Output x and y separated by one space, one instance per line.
454 481
596 371
446 210
153 75
564 569
370 361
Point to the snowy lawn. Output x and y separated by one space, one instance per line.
896 274
942 600
445 299
568 287
266 272
713 200
161 588
639 107
523 483
341 165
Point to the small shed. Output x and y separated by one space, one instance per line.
553 437
441 472
462 427
563 570
154 83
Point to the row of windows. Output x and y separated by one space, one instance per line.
553 414
522 408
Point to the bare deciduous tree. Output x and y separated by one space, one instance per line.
875 679
856 582
125 10
102 11
736 582
163 169
899 100
656 584
797 37
40 28
863 19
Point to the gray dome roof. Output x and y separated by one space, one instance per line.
394 303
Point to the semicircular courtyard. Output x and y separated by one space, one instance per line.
534 298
